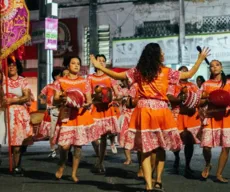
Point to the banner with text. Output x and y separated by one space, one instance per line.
67 44
51 33
127 52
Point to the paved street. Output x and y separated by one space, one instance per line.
39 176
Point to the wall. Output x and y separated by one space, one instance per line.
123 17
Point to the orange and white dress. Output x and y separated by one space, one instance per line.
187 119
47 128
20 127
105 115
80 128
126 113
152 124
116 104
216 131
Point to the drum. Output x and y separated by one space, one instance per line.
131 102
103 95
192 98
35 120
220 98
74 98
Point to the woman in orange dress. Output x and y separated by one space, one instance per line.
104 114
216 130
75 126
18 101
128 90
152 128
50 119
188 121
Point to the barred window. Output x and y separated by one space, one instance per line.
103 42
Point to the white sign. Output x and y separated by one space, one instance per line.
127 52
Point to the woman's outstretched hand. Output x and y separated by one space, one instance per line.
94 61
204 53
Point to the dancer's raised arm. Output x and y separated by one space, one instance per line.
189 74
183 75
113 74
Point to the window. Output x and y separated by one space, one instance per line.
86 46
103 42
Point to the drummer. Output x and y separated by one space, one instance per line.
75 125
50 119
216 131
104 114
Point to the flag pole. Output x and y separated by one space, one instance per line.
8 117
9 46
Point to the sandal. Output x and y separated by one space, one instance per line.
18 171
221 180
158 187
205 172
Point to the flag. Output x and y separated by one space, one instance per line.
14 26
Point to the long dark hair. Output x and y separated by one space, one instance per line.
149 64
223 76
18 65
67 60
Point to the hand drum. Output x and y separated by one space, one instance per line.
74 98
220 98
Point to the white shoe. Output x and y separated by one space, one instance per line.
53 154
113 148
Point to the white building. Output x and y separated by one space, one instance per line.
123 18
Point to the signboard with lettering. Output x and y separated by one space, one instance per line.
51 33
126 52
67 43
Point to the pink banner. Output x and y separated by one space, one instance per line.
51 33
14 26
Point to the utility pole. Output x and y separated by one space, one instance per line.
182 48
45 57
93 29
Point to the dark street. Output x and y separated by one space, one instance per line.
39 174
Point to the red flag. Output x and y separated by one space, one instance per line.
14 32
